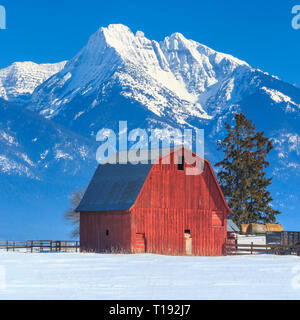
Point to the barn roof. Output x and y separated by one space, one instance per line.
117 186
231 226
114 187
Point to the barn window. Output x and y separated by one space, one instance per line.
188 231
180 165
107 232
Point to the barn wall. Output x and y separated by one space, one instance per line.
168 187
164 231
93 228
170 202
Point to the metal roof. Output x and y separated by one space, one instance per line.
117 184
231 226
114 187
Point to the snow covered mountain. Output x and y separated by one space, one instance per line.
36 148
119 75
177 78
21 78
176 81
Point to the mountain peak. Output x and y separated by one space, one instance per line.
21 78
116 27
112 34
177 36
186 70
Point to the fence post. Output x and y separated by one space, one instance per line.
6 245
76 246
14 245
251 247
51 245
31 249
59 246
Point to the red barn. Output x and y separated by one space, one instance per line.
155 208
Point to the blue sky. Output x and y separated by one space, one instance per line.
258 32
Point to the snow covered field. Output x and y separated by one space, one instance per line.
147 276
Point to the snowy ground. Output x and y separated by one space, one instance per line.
146 276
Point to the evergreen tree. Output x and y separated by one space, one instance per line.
242 176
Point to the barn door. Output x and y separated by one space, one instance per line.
140 246
188 243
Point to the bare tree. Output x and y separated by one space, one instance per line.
71 215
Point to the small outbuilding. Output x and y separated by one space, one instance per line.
155 208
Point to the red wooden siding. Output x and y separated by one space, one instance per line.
93 228
164 231
169 204
167 187
217 218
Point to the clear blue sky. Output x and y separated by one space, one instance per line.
257 31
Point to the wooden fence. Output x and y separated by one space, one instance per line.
232 248
41 246
239 249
